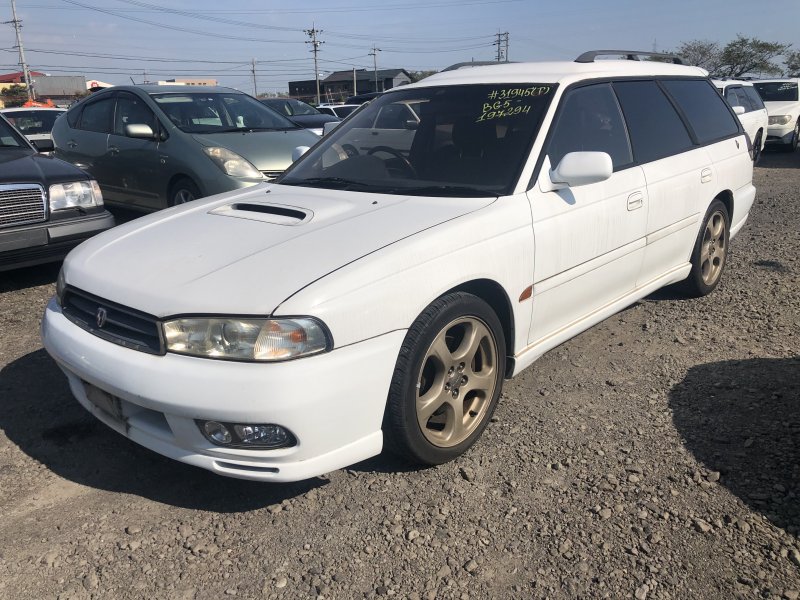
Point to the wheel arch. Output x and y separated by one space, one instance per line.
175 179
726 197
495 296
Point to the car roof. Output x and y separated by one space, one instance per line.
28 108
176 89
561 72
727 82
778 80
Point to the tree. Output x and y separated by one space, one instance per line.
793 64
750 55
417 75
14 95
701 53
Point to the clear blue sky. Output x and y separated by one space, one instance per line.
415 34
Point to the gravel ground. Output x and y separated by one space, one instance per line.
657 455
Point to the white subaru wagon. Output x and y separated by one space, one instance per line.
383 288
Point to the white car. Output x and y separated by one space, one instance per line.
35 123
747 104
783 105
338 110
385 286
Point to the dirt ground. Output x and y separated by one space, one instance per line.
656 455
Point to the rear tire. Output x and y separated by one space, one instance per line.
757 149
710 252
183 190
447 380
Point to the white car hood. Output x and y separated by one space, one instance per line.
782 108
216 256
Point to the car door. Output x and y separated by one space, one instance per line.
589 239
675 168
86 144
134 163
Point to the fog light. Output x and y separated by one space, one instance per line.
217 432
241 435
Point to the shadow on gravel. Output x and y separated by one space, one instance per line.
742 418
20 279
40 416
774 159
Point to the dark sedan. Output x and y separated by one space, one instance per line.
47 206
301 113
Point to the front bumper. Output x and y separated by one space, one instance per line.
50 241
333 403
780 134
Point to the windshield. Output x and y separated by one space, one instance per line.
469 140
777 91
220 112
8 137
30 122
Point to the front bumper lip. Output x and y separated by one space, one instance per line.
333 403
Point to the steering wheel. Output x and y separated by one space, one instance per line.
396 153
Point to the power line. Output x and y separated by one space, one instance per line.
18 31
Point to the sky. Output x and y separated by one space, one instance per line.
122 40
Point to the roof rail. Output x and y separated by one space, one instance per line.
474 63
588 57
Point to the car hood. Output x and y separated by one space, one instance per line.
782 108
22 165
245 252
267 150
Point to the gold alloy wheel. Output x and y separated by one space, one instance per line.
714 248
456 382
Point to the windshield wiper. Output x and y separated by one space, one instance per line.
246 129
339 183
446 190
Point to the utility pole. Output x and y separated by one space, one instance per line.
315 43
253 71
18 30
374 55
502 46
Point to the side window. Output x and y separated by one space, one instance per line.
736 97
590 120
655 128
131 110
393 116
755 99
97 116
708 116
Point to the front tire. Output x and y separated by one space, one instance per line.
792 146
184 190
447 380
710 252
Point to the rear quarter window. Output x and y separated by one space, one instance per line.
708 115
755 99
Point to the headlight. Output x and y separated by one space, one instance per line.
61 286
78 194
232 164
780 120
246 339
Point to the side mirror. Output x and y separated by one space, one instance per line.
412 125
739 110
329 126
580 168
43 145
140 131
298 152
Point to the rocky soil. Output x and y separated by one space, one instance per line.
655 456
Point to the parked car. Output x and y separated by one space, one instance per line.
362 98
386 285
303 114
47 206
749 107
35 124
783 105
338 110
155 146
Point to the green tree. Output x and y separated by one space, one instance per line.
14 95
701 53
792 60
750 55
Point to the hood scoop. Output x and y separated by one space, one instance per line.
277 214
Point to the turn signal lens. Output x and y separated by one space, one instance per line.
217 433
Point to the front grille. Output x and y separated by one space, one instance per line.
271 174
120 325
22 203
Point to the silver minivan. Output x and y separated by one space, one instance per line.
154 146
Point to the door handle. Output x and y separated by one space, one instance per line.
72 144
113 150
635 200
705 175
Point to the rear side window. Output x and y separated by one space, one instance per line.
97 116
755 99
655 128
708 116
590 120
736 97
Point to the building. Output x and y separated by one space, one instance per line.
18 77
340 85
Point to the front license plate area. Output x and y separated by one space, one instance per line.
110 405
